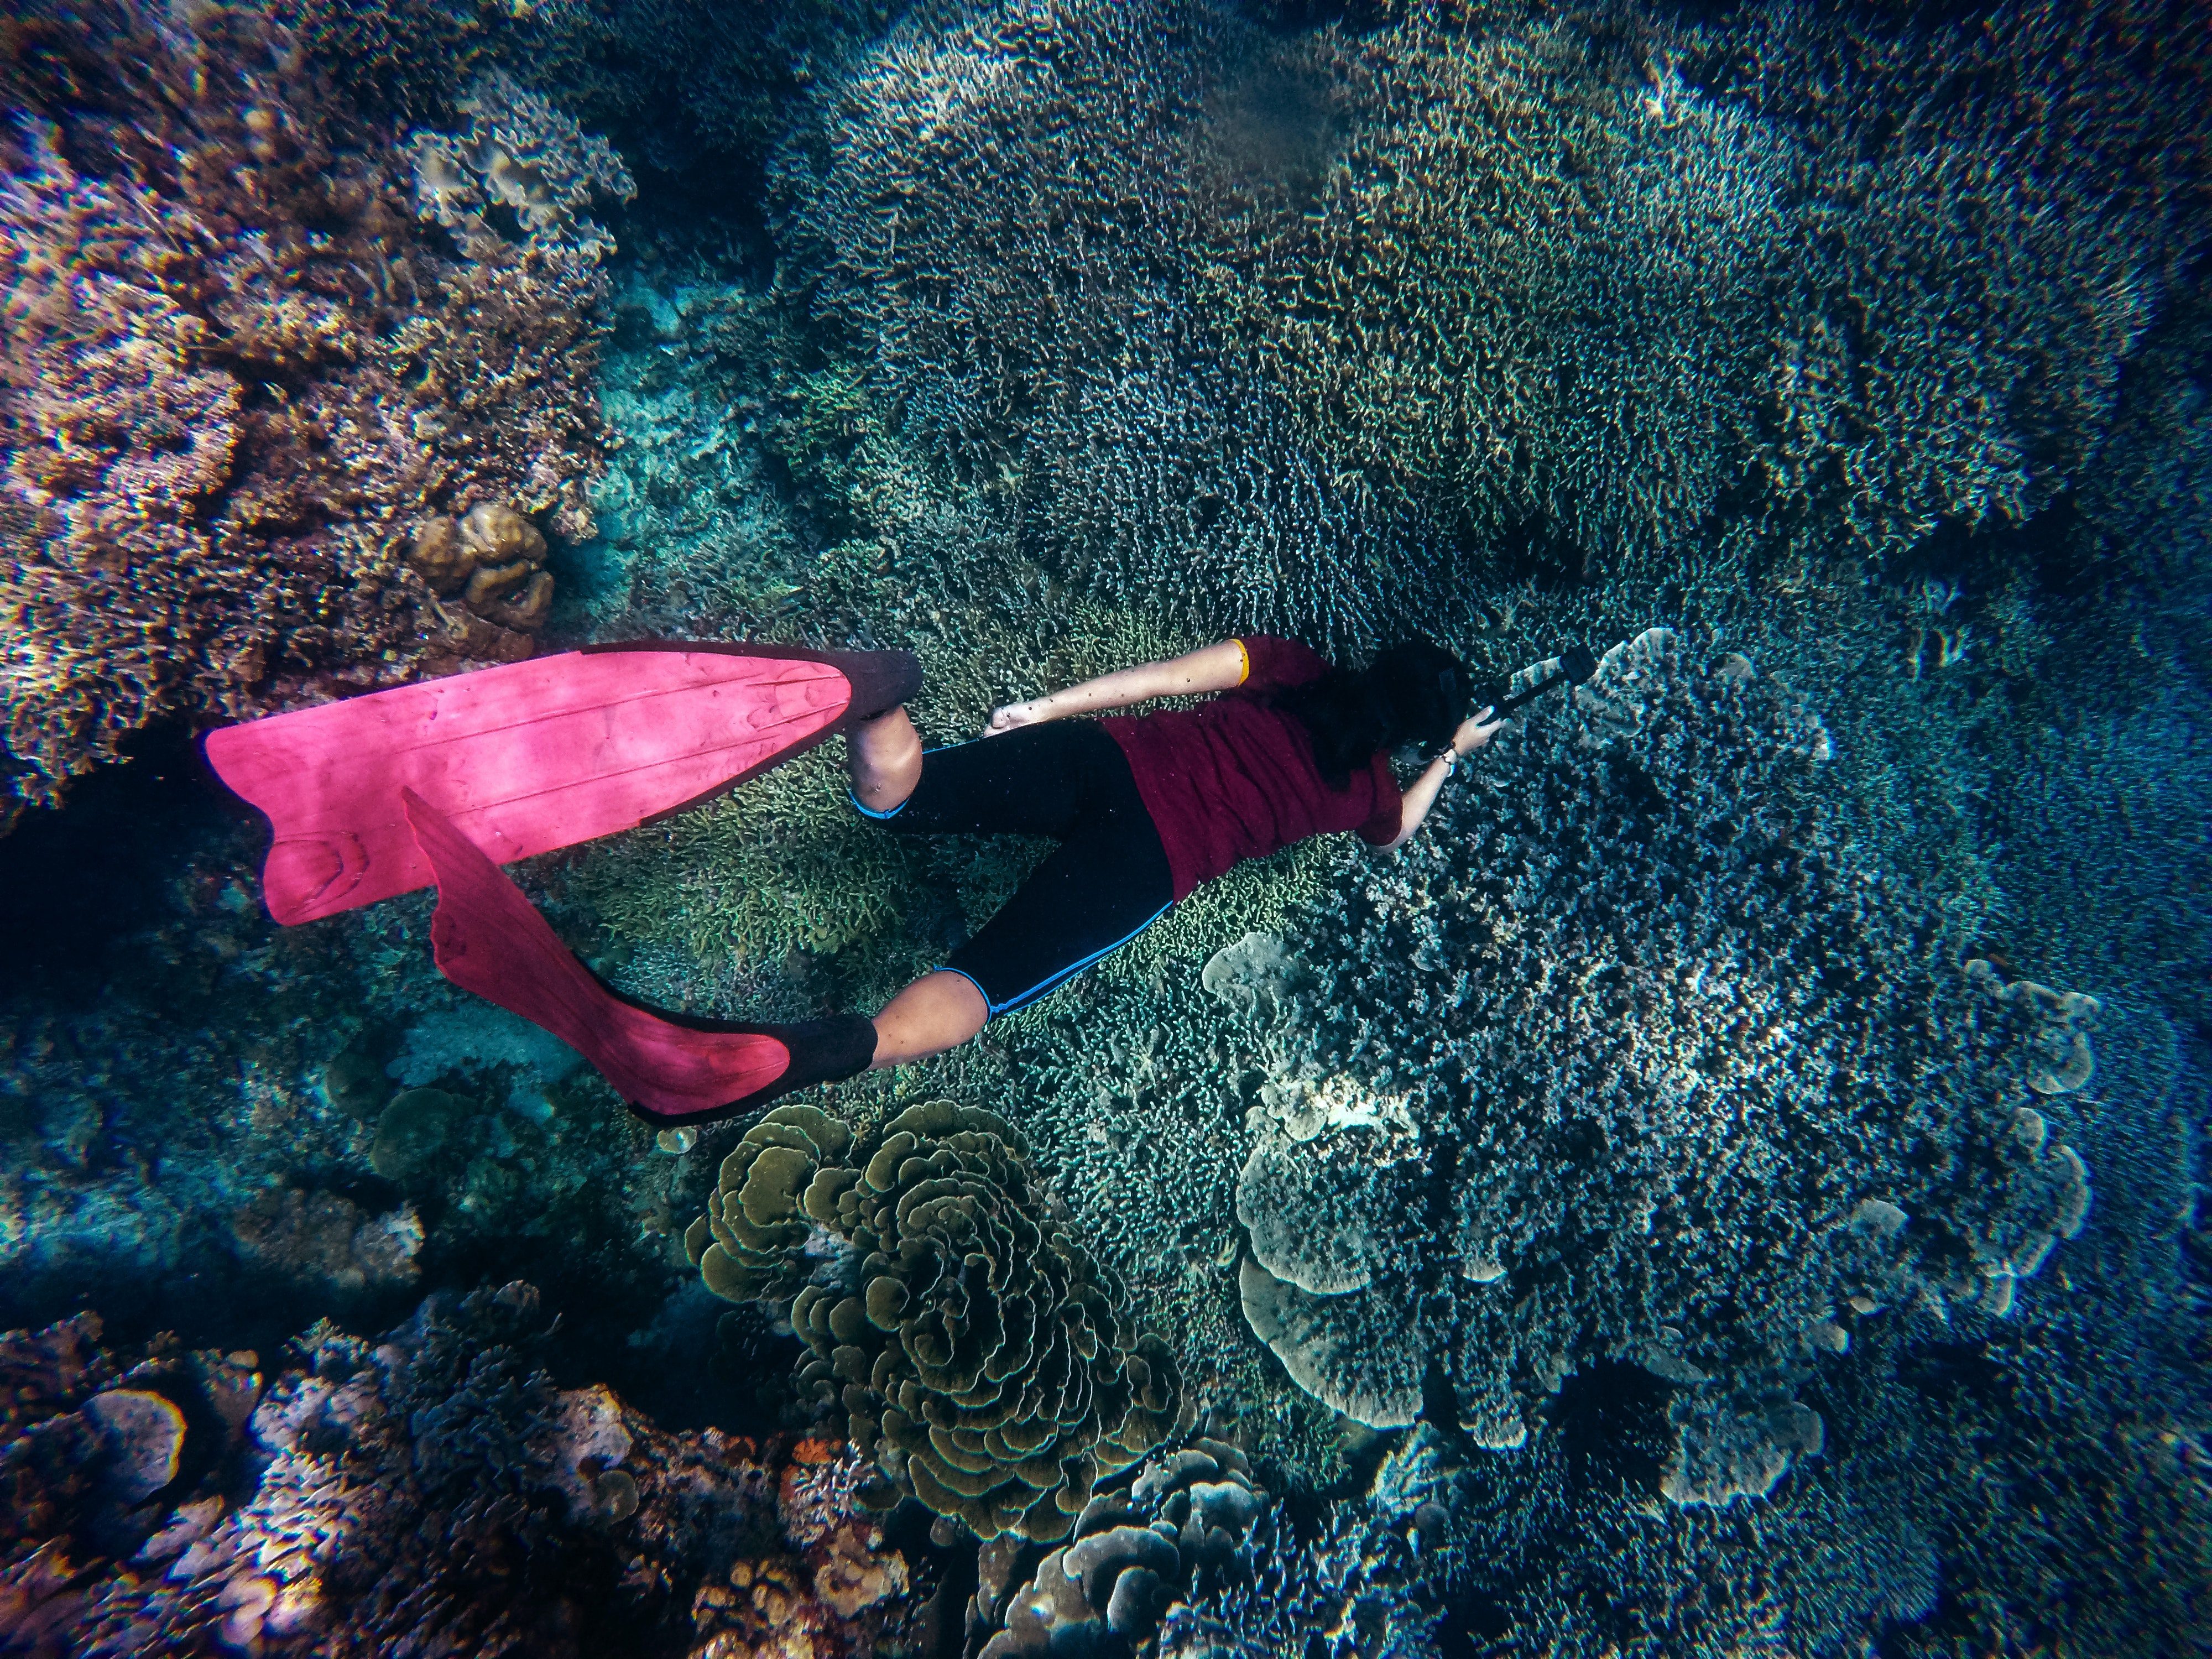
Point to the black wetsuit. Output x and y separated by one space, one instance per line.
1102 885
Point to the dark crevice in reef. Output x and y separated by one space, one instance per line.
1535 550
76 883
2054 544
1611 1420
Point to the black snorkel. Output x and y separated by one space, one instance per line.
1576 665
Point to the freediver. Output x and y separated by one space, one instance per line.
443 781
1147 808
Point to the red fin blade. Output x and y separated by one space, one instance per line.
529 757
488 939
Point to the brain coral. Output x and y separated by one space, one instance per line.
235 367
1687 1087
981 1357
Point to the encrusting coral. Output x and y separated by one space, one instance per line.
1685 1087
237 369
982 1358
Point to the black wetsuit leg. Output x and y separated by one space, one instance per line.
1106 881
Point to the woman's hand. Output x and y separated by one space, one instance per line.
1011 718
1474 732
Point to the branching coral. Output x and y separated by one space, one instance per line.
1689 1089
997 209
1602 274
235 369
1525 285
982 1358
1990 214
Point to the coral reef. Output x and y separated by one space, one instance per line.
1527 284
1062 372
1191 1555
1990 217
431 1491
1385 309
981 1357
1694 1112
236 369
1594 275
1772 1082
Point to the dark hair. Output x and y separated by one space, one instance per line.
1413 691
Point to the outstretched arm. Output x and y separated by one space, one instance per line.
1216 668
1473 733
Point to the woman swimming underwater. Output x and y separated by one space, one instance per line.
1146 808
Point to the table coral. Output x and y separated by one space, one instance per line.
1690 1090
237 368
982 1358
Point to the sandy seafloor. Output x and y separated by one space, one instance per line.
1622 1223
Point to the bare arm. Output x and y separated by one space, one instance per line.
1216 668
1473 733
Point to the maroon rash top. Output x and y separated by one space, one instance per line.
1234 778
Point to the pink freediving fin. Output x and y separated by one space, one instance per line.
490 940
532 755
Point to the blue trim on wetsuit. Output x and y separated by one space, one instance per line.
867 811
1064 974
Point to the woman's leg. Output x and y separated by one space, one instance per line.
884 756
1037 782
938 1011
1099 889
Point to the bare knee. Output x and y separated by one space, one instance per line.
885 755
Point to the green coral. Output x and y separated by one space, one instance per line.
1526 283
782 864
983 1359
